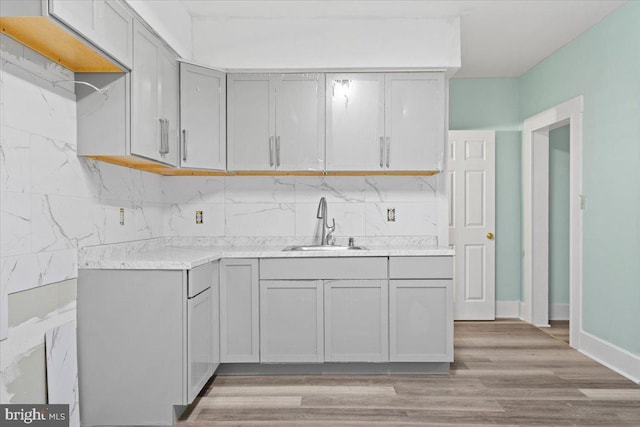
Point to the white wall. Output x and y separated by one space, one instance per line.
326 43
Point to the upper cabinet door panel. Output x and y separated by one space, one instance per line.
251 122
414 121
202 117
300 122
355 121
81 15
169 103
146 124
116 32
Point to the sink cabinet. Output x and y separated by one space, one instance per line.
356 320
291 321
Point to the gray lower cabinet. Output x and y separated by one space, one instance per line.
291 321
356 321
239 311
145 342
421 309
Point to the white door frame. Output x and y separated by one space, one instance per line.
535 168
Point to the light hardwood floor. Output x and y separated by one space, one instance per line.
505 372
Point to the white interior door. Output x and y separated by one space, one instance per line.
472 221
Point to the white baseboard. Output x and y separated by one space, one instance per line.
523 308
507 309
559 312
613 357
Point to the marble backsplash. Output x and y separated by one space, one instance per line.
246 208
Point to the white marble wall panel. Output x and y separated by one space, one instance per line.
400 189
260 219
412 219
62 369
254 189
182 220
309 189
194 189
54 202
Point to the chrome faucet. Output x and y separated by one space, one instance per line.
322 214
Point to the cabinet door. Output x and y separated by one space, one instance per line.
202 117
239 317
356 320
414 121
169 103
355 122
146 124
115 34
291 321
421 320
251 122
199 342
300 122
81 15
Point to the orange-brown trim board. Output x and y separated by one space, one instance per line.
51 40
158 168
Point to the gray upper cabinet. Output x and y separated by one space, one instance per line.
239 311
155 98
105 23
291 321
414 121
202 118
385 122
355 122
275 122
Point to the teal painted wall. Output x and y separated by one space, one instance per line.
492 104
559 216
603 64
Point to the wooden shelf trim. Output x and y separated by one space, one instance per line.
51 40
158 168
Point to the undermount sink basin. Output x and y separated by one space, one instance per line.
324 248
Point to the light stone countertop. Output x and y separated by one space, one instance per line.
185 258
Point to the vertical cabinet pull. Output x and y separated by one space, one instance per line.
161 149
388 150
184 145
166 136
277 150
270 151
381 152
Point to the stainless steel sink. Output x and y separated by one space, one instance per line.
324 248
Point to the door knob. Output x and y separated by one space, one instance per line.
490 236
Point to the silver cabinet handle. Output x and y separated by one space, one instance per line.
166 136
270 151
388 150
184 145
161 149
381 152
277 150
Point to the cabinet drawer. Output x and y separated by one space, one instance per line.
324 268
427 267
201 278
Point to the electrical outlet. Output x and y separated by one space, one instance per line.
121 216
391 215
199 217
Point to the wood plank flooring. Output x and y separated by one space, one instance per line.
505 373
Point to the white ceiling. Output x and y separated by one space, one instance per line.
500 38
